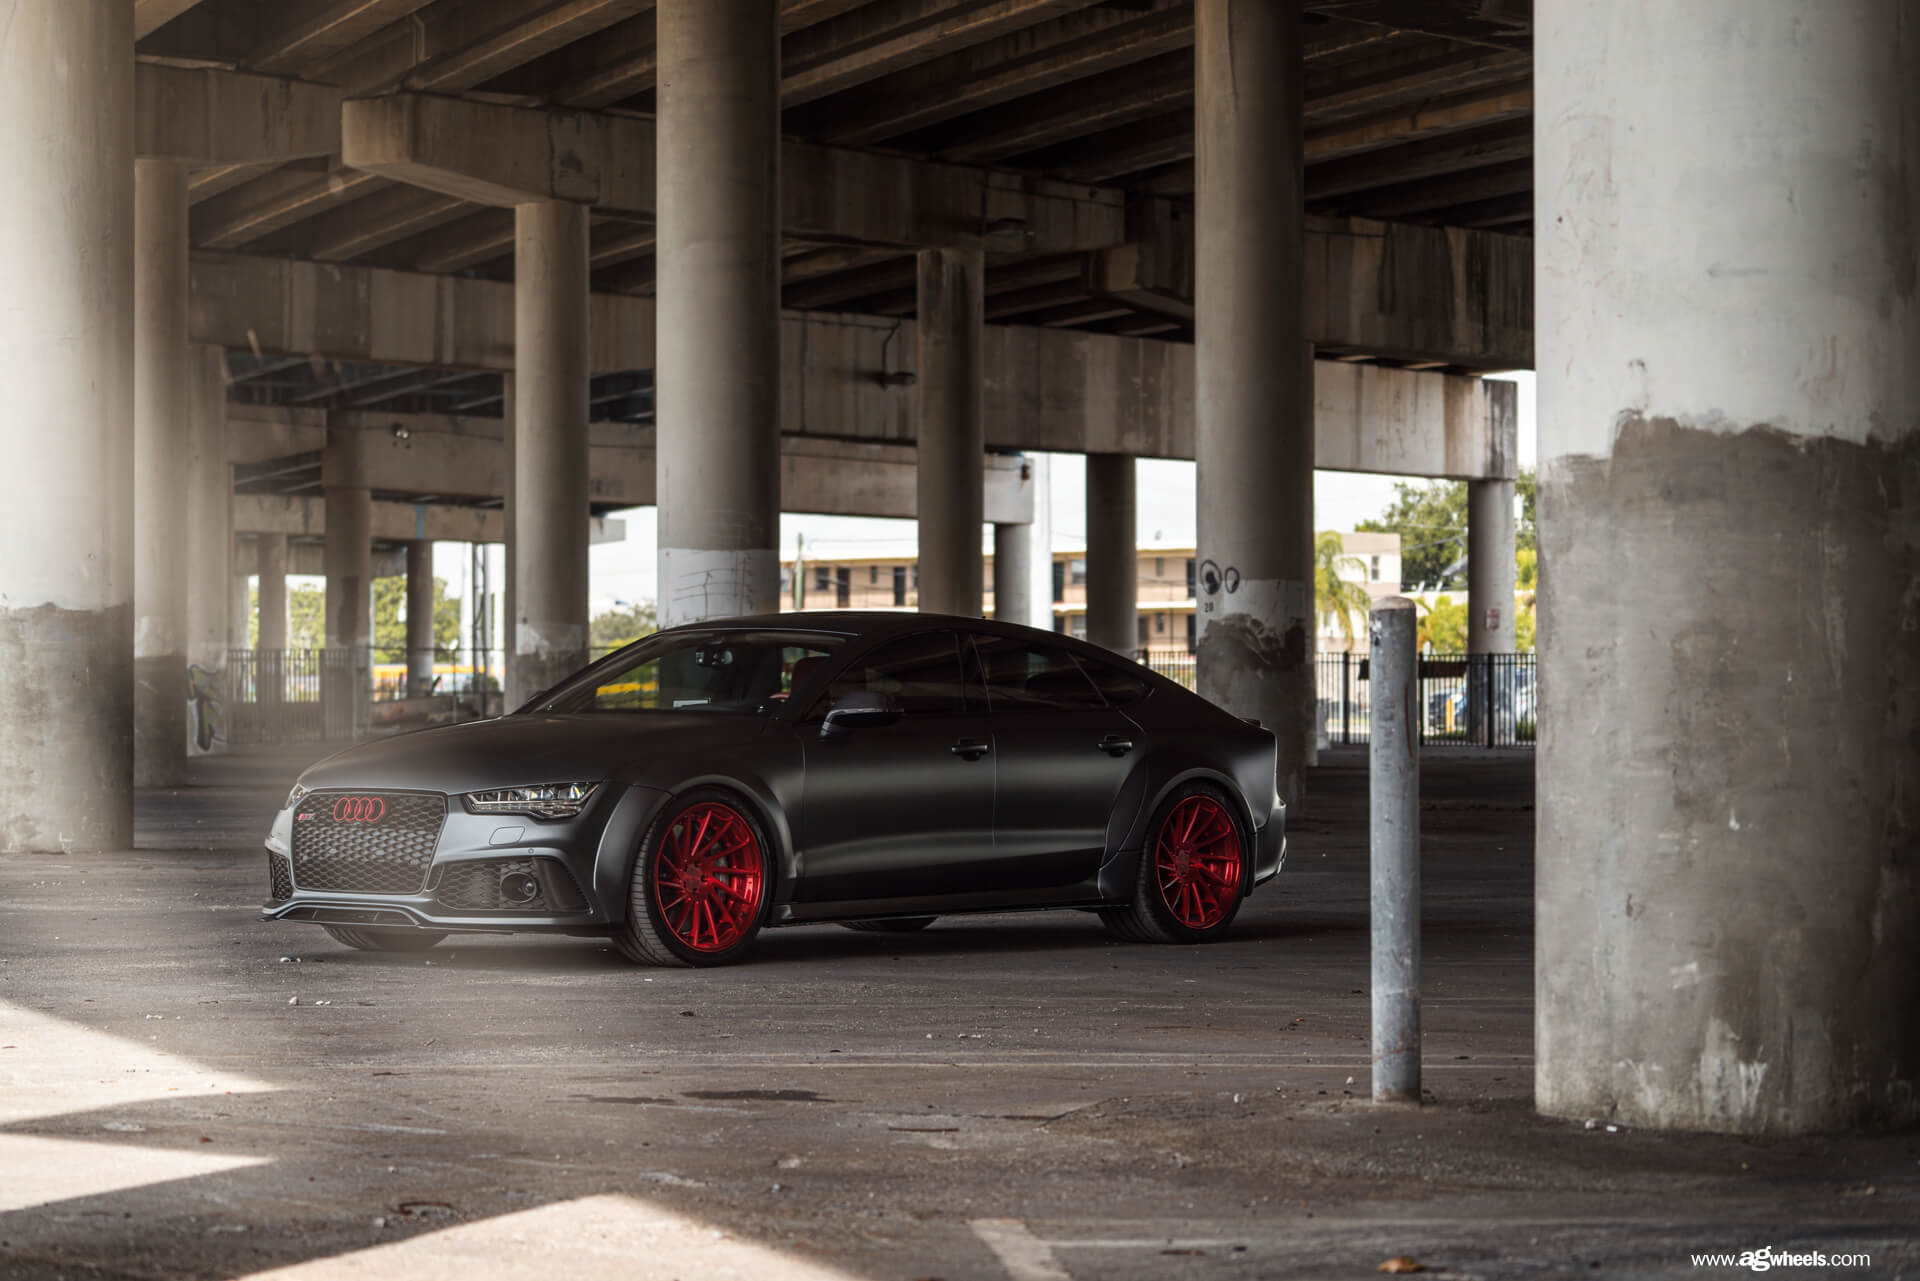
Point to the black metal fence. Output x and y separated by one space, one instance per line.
1466 700
314 695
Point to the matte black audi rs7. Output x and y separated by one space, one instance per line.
877 770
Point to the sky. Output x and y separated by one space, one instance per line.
625 572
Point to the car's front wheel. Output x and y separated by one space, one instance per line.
370 939
1193 871
701 884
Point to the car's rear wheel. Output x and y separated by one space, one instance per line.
374 939
701 883
897 925
1193 872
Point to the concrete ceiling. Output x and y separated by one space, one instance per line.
1416 111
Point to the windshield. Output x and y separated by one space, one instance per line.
745 673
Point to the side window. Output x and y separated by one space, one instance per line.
920 674
1118 684
1023 676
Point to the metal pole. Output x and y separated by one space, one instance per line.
1394 834
1346 698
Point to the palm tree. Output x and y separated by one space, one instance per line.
1333 596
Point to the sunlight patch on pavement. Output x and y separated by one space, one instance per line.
51 1067
615 1238
38 1171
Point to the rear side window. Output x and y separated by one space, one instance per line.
1118 684
918 674
1023 676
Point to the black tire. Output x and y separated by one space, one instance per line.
1192 879
897 925
376 939
665 921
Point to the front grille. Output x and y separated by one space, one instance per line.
366 842
280 876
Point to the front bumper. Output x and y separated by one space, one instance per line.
1270 852
580 865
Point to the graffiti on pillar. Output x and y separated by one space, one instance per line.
206 710
1230 579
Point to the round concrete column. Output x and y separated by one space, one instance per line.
419 617
1013 574
163 397
269 672
952 470
1729 797
348 561
547 637
718 349
1253 430
1113 557
66 361
1490 580
216 609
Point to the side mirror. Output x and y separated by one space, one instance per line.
860 709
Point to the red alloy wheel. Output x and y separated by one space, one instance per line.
709 878
1198 862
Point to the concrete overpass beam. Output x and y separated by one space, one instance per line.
951 395
719 308
1253 433
208 117
1728 928
1113 577
162 443
547 635
66 359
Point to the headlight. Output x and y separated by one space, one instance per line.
546 800
297 795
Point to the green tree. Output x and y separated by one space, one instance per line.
306 618
1431 520
616 627
390 629
1526 538
1442 628
1335 597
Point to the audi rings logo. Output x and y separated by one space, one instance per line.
359 809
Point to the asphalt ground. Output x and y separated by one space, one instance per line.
1005 1098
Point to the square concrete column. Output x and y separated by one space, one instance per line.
1013 573
718 349
547 636
1113 554
1253 428
163 443
1728 316
66 361
951 395
419 618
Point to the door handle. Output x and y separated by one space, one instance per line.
1114 745
969 749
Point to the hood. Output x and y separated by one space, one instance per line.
515 750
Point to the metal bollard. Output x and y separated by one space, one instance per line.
1394 839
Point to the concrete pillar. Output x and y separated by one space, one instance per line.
1253 433
1490 585
476 604
548 636
950 392
1728 929
718 345
348 560
419 617
1013 574
269 669
207 547
66 362
1113 557
162 444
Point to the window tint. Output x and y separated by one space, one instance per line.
722 671
920 674
1022 675
1118 684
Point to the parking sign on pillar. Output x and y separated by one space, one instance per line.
718 345
1253 432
